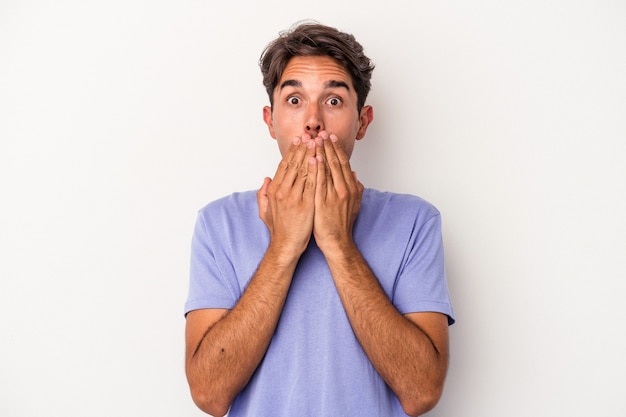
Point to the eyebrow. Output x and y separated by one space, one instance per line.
335 84
328 84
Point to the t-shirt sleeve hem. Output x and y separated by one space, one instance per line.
428 306
202 303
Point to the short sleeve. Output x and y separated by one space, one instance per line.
421 285
208 288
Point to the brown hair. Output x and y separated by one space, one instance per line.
314 39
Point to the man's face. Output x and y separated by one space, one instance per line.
314 94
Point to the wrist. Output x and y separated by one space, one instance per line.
338 249
284 253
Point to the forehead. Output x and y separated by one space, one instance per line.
323 68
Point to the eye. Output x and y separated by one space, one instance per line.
293 100
334 101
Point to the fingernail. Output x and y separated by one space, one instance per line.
334 138
296 141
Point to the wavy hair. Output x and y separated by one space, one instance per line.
314 39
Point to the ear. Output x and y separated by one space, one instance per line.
365 118
269 120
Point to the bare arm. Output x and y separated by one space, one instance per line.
224 348
409 352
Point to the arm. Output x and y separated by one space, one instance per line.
223 348
409 352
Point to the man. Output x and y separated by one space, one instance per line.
316 296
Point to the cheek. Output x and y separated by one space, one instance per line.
285 125
348 131
284 143
283 147
348 147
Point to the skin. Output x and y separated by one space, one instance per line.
314 192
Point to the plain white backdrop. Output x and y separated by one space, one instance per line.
120 119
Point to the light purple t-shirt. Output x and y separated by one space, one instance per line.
314 365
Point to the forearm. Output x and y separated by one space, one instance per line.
404 355
224 359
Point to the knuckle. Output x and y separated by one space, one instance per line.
343 193
279 195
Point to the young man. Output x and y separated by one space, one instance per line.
315 296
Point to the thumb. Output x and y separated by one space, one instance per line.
262 195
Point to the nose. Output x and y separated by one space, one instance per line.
310 128
313 124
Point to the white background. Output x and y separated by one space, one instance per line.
120 119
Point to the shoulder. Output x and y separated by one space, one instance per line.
392 204
234 212
237 202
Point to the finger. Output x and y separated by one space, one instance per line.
329 158
306 172
359 187
336 179
310 185
290 165
356 180
324 178
261 195
321 182
343 163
